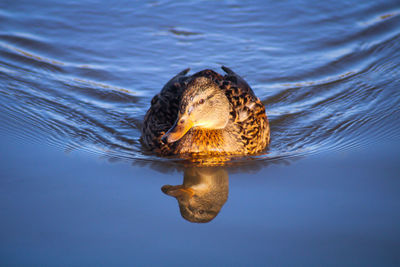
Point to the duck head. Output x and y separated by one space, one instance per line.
203 105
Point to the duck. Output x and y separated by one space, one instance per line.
206 114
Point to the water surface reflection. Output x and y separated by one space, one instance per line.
202 194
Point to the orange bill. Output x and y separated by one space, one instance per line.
177 131
177 190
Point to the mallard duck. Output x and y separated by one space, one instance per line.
206 114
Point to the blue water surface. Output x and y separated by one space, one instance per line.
78 188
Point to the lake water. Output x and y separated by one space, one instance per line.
77 187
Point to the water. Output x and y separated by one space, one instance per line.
76 79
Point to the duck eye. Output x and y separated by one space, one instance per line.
201 211
201 101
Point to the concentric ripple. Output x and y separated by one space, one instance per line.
329 81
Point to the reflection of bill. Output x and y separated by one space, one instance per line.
203 193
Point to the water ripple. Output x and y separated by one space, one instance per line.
322 92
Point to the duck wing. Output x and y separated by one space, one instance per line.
163 112
238 82
247 112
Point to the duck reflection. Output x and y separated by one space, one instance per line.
203 193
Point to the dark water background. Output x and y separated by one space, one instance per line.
76 79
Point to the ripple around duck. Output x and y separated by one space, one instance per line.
100 120
348 99
28 42
31 61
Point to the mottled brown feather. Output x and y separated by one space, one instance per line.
246 133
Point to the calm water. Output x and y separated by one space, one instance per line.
76 79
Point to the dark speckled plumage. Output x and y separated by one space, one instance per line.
247 131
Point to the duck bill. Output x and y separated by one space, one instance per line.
177 191
177 131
